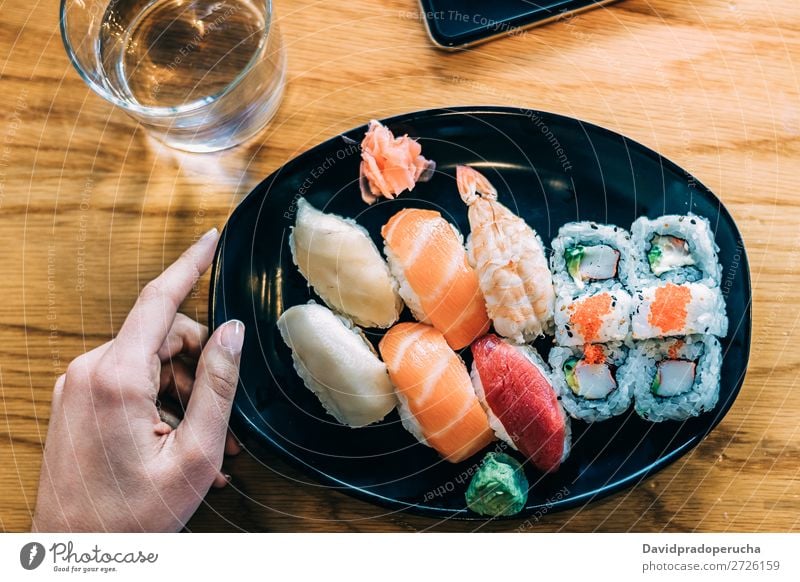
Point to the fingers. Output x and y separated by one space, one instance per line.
177 380
232 446
58 391
185 337
59 385
90 374
205 425
221 480
149 322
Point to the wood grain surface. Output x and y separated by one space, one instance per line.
91 209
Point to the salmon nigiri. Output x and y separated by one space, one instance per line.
437 403
512 384
437 283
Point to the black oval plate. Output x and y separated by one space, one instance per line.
548 168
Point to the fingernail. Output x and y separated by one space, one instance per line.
232 336
209 235
227 477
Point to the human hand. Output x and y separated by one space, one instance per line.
110 462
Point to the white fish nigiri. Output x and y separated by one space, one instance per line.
345 268
509 258
337 364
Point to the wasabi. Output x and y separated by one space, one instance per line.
499 487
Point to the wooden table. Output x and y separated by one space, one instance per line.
91 208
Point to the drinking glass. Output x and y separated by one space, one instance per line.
201 75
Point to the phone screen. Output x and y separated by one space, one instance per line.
458 23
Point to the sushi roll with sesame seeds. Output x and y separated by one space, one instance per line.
593 382
676 379
668 310
599 317
588 256
674 248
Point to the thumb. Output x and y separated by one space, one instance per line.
206 420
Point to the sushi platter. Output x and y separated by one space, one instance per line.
457 313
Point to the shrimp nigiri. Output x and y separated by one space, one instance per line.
436 401
510 260
427 257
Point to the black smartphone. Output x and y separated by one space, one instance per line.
454 24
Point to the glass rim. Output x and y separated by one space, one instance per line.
159 111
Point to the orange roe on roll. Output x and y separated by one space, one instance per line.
593 354
672 353
669 308
588 315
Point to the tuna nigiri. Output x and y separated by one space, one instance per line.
512 384
510 261
436 401
343 265
338 364
426 255
390 165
